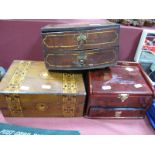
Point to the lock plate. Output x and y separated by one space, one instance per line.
41 107
123 97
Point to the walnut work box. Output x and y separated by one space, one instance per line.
81 46
120 91
29 90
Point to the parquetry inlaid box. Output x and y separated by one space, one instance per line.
28 89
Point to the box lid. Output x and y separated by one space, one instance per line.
126 79
78 26
31 77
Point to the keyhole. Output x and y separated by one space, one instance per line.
41 107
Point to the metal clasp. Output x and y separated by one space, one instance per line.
123 97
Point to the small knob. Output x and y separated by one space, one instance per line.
81 62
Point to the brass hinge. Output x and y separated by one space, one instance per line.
14 105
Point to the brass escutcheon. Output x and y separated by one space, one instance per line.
41 107
81 40
123 97
81 37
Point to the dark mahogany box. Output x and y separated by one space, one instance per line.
120 91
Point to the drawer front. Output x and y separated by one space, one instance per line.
88 39
78 60
116 112
120 101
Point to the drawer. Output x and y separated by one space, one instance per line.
80 40
80 60
116 112
119 101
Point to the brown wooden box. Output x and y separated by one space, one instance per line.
120 91
80 46
29 90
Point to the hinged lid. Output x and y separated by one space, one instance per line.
78 26
31 77
122 79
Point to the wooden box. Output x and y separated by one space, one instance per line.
80 46
119 91
29 90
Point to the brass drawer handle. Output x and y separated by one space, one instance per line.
82 38
118 113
